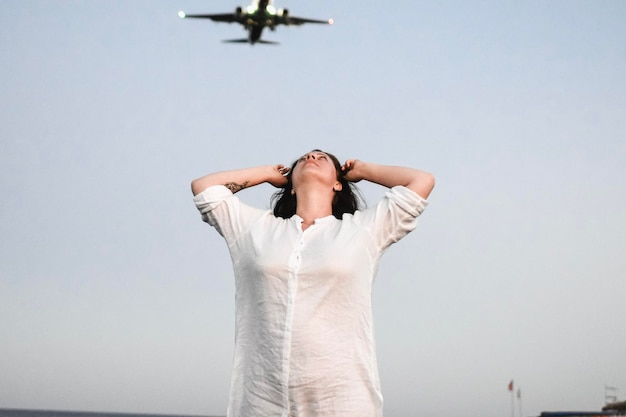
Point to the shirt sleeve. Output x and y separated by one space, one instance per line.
393 217
220 208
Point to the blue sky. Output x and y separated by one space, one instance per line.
114 296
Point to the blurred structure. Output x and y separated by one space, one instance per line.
619 407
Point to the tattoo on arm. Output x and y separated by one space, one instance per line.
234 187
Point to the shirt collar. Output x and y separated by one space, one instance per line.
326 219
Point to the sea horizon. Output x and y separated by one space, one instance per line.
37 412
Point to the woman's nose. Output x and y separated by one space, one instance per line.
310 156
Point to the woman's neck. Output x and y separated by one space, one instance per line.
314 205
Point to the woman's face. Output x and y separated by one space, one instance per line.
315 165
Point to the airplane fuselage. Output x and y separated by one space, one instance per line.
258 20
254 33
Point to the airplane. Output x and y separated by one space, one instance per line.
254 18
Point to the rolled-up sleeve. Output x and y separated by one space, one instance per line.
209 199
220 208
407 200
393 217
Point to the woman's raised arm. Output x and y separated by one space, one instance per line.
238 179
419 181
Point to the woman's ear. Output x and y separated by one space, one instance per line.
338 186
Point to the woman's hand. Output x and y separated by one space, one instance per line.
351 170
278 178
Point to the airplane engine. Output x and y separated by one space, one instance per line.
238 12
285 13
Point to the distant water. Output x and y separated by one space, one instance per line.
9 412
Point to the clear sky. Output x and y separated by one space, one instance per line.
114 296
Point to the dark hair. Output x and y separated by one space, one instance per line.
348 200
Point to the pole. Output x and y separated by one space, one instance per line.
512 404
512 399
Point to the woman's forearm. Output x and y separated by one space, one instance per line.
238 179
419 181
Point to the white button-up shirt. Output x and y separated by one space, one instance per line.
304 341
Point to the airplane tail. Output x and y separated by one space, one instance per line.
246 40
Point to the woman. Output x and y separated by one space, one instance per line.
304 342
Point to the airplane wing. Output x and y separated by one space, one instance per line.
222 17
292 20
